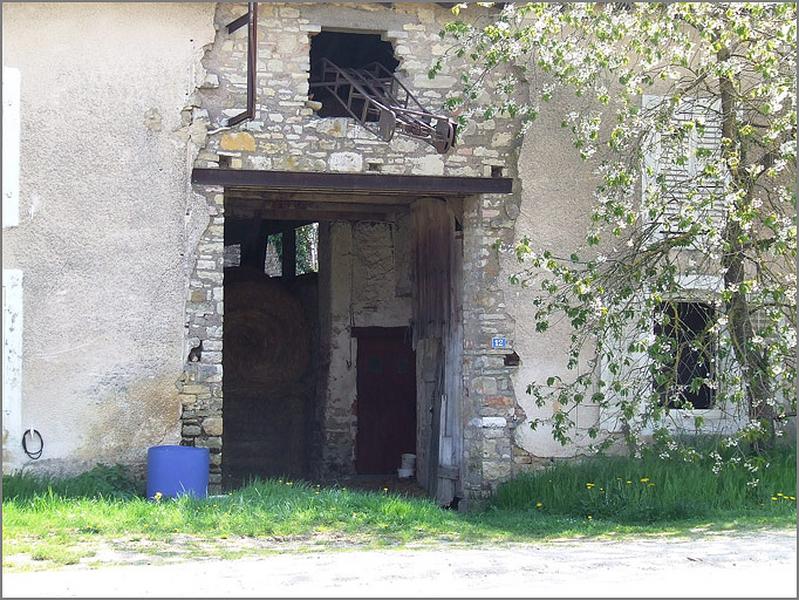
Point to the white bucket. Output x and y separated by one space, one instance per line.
408 461
404 473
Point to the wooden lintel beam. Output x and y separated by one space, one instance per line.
328 215
310 207
244 195
305 181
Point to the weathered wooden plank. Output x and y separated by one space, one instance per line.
433 230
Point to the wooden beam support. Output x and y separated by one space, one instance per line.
253 244
289 257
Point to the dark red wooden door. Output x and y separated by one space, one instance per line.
386 399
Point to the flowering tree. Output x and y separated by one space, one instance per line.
684 293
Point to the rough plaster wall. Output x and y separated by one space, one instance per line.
104 238
380 253
556 199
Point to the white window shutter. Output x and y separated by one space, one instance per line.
676 161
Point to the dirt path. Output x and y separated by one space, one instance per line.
727 565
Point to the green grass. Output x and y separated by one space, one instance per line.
61 521
651 489
102 481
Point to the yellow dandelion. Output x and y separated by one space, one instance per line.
779 494
539 504
590 518
589 485
644 479
774 498
650 485
629 482
385 489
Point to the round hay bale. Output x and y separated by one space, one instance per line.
267 337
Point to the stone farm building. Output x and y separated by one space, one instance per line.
206 241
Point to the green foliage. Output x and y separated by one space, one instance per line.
687 114
308 248
102 481
651 489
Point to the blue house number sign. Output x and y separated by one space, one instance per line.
499 342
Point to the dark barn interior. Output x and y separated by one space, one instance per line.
270 342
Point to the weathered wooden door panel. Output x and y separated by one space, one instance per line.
386 407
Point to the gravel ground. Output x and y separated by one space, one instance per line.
759 564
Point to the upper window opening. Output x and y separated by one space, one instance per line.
686 377
307 248
273 257
347 51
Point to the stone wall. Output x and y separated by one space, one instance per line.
201 384
286 134
490 413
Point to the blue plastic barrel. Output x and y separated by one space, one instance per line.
177 470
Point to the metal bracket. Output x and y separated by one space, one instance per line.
239 23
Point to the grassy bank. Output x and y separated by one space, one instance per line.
651 489
58 521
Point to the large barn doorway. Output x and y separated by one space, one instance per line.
386 405
370 227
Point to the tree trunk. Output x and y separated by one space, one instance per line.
753 363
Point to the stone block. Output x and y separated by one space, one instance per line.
345 162
240 141
187 399
211 442
195 389
484 385
213 426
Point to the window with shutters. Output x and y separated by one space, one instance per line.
688 380
681 181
